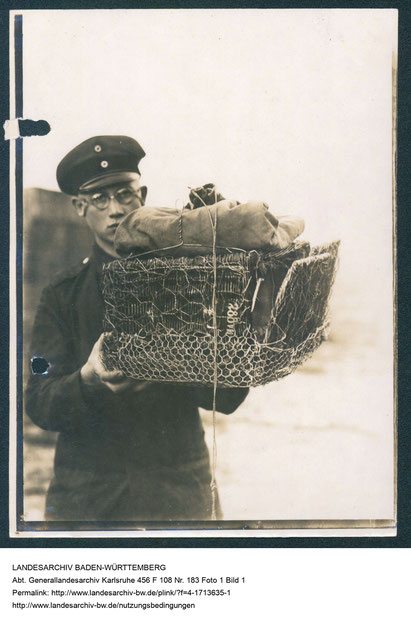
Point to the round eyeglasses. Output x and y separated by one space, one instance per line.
123 196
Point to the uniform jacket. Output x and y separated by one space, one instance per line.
125 456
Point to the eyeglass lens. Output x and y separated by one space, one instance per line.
123 196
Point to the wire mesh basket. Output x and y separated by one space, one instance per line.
196 320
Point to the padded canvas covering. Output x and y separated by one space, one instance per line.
227 224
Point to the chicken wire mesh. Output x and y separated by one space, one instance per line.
160 320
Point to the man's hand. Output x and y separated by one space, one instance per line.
95 375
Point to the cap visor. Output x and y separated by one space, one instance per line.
109 179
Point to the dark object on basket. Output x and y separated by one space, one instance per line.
204 195
159 312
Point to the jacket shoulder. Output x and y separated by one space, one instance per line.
70 273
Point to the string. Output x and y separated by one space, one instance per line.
214 307
213 483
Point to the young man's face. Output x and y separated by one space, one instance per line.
104 208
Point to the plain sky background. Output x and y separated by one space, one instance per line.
293 107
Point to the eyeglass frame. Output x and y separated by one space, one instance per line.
137 193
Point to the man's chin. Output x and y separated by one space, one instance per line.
107 244
108 237
110 232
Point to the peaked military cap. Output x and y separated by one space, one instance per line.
99 161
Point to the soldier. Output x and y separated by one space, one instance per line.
126 450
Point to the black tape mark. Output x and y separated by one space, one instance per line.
39 365
28 128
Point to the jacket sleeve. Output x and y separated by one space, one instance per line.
55 399
227 399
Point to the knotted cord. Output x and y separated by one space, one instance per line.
213 483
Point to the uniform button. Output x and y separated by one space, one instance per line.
97 148
104 164
85 260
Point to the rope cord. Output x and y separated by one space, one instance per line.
213 483
214 308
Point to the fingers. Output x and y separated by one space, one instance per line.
112 376
98 346
122 386
142 385
127 384
95 373
97 363
95 359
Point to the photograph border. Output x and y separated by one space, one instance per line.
246 526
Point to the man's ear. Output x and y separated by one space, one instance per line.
80 206
143 193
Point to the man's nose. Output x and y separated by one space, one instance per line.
114 207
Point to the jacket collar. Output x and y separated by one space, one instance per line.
98 257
